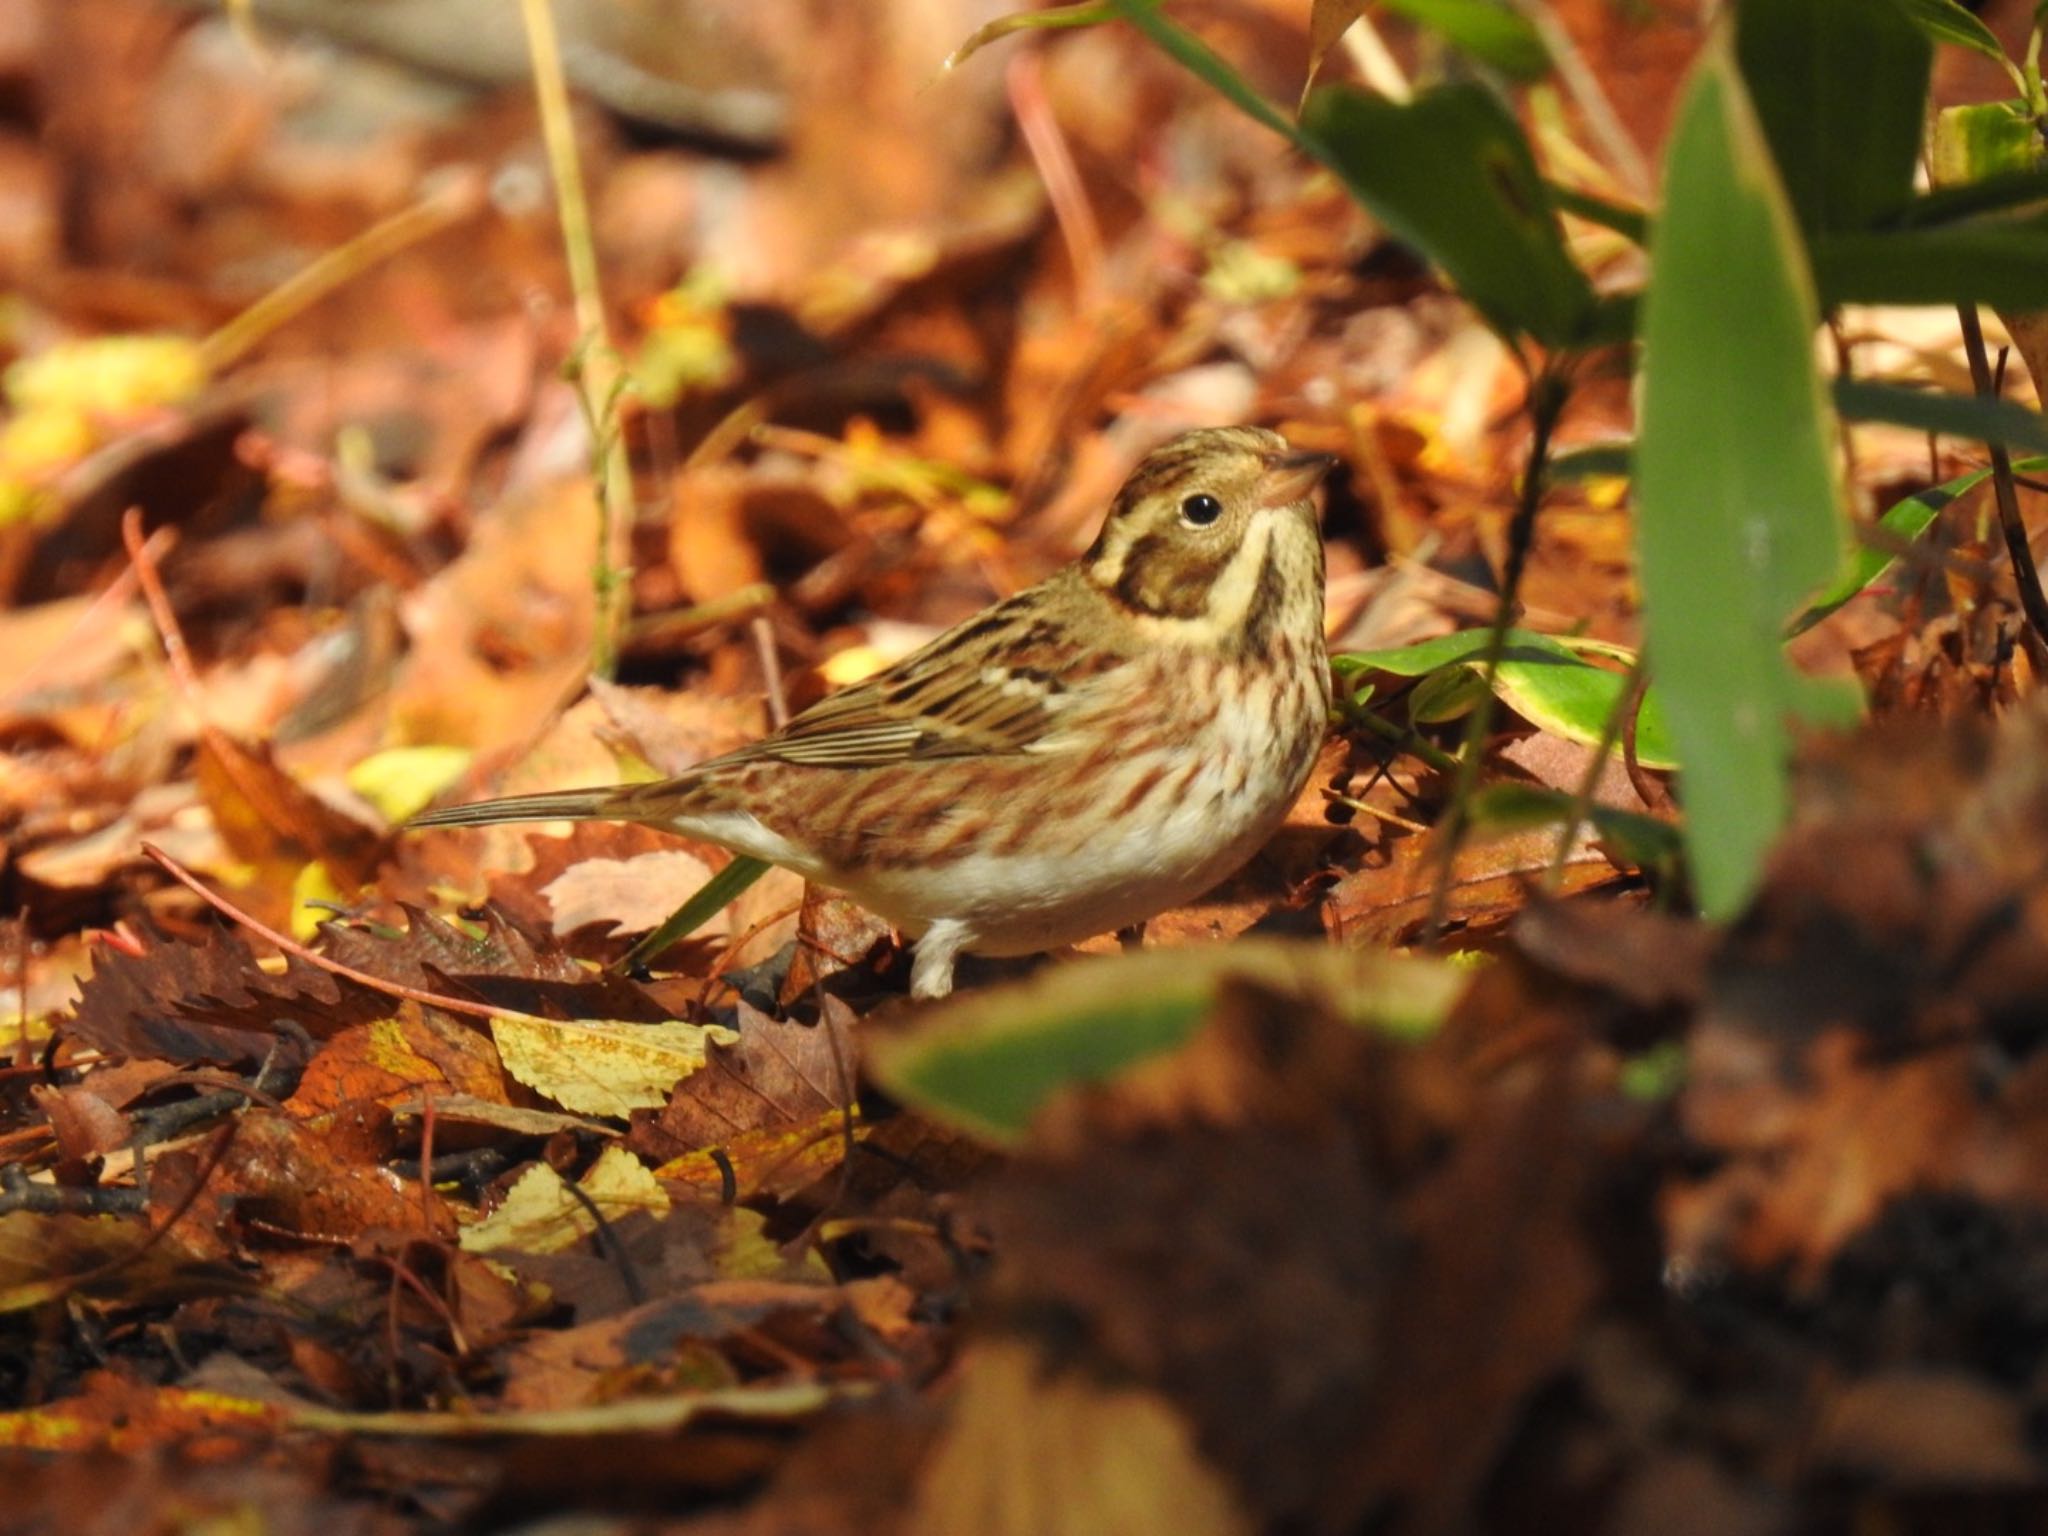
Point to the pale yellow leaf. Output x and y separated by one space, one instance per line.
596 1067
541 1215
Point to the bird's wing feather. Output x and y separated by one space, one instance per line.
977 690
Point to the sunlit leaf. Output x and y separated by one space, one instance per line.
1541 678
1984 142
1903 523
1738 512
600 1068
539 1214
1328 20
403 781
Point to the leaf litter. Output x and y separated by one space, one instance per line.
1631 1224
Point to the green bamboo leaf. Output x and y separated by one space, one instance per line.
1947 22
1642 840
1839 88
1980 418
1451 174
1208 66
1738 511
1996 261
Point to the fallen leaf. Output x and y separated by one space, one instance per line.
601 1068
540 1215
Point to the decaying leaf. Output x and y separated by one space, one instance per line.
600 1067
540 1215
1033 1450
211 1002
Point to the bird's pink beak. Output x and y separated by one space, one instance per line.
1289 477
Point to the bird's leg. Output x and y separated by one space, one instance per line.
931 972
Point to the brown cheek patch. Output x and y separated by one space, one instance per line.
1167 581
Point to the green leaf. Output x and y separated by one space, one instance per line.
2000 262
1053 18
1593 462
1485 30
1208 66
986 1062
715 894
1980 418
1541 678
1988 141
1451 174
1947 22
1997 193
1903 523
1738 517
1630 223
1839 87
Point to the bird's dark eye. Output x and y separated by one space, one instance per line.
1201 511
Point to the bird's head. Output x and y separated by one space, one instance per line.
1210 528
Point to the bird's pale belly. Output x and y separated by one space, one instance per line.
1214 812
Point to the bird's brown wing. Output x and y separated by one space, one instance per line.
994 685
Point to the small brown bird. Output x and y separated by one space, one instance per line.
1081 756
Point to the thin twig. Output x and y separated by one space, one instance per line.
235 914
458 197
2024 574
185 678
771 669
1548 393
1351 803
113 595
1620 718
1605 124
1025 78
608 1240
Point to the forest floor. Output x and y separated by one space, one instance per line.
362 1197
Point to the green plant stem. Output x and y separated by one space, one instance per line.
1405 740
1625 707
720 891
598 376
2024 575
1548 393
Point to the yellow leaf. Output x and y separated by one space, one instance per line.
596 1067
541 1215
109 375
402 781
315 883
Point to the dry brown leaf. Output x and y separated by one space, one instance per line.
1037 1450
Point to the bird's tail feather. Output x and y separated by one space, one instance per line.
560 805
